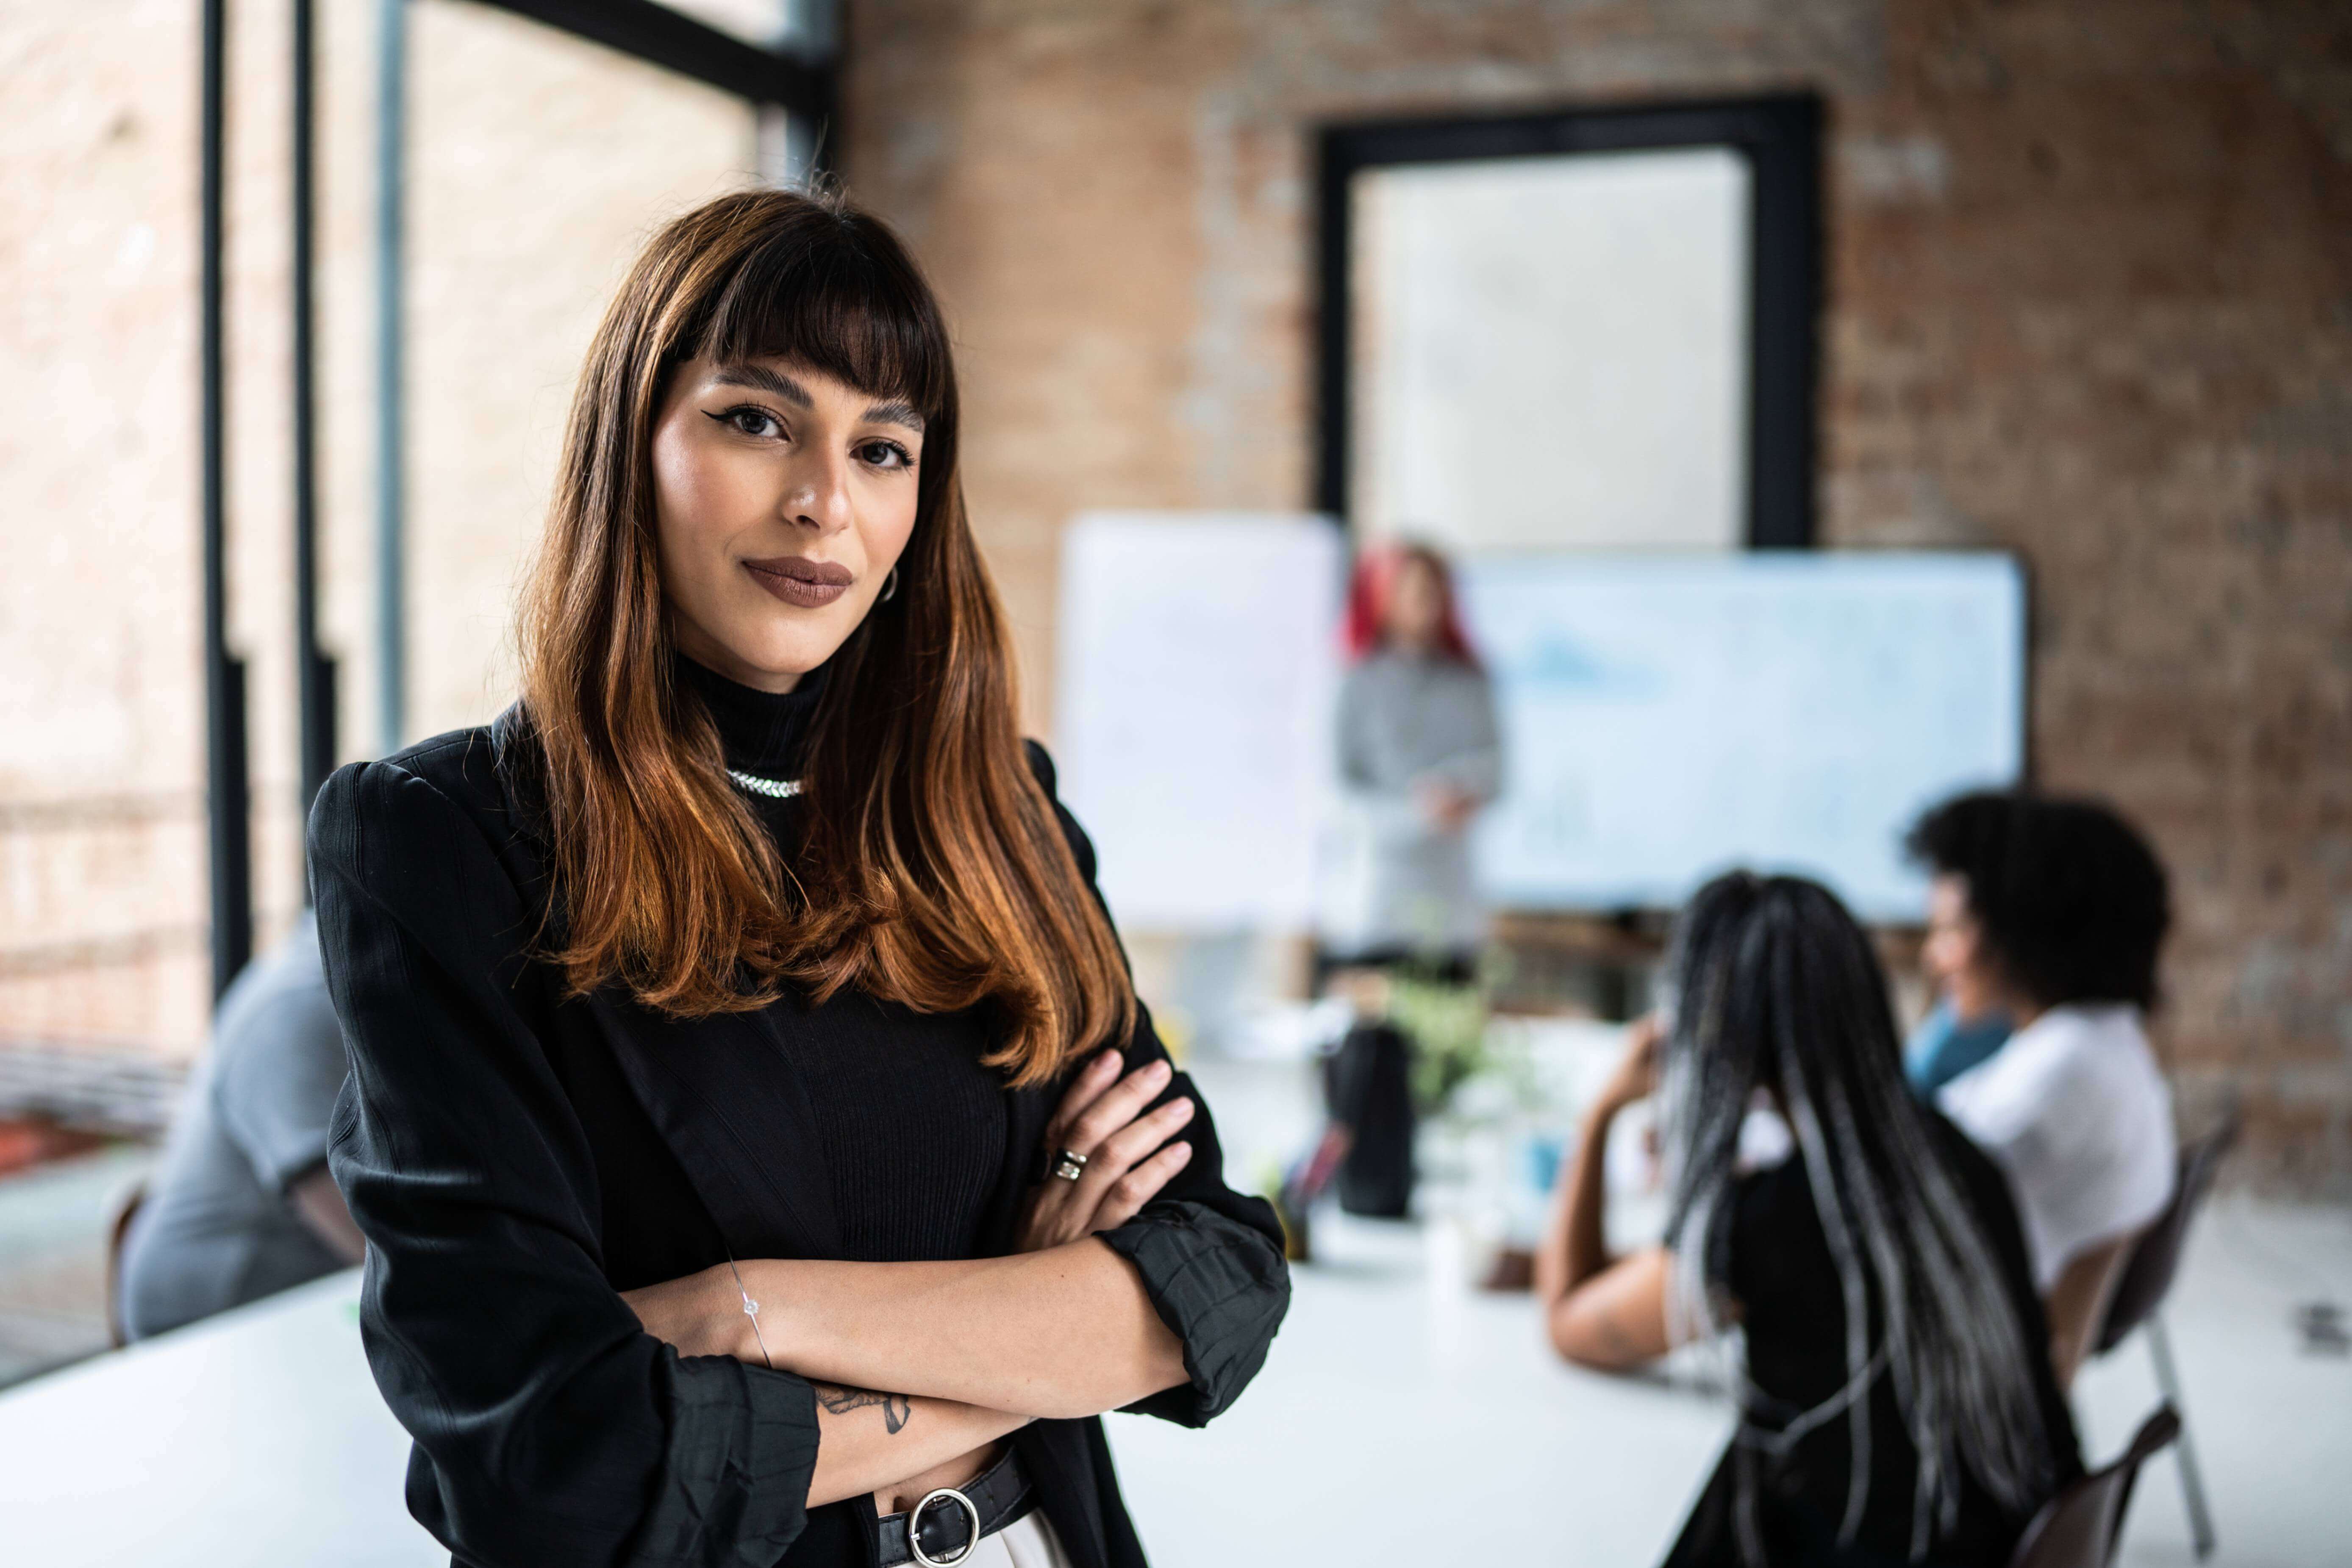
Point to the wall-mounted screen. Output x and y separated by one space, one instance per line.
1668 717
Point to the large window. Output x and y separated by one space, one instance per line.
1578 329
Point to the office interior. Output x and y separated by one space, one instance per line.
1825 407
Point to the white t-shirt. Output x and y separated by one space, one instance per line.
2074 1109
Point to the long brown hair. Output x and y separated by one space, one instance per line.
933 872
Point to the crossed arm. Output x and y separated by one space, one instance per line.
918 1367
917 1364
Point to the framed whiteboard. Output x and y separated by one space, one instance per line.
1668 717
1197 668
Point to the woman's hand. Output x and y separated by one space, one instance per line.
1636 1076
1100 1118
1601 1311
1448 807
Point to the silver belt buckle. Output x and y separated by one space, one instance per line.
914 1530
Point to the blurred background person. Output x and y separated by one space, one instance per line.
1895 1404
1964 1023
2051 912
241 1205
1420 755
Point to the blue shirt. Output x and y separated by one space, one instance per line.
1942 1047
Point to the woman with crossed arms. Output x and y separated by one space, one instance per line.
763 1155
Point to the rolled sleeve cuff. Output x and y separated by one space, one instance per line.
734 1486
1221 1287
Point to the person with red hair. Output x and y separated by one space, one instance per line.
1420 757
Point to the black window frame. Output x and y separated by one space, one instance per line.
802 82
1779 136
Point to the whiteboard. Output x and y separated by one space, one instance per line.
1666 718
1197 668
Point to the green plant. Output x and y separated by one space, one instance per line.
1446 1028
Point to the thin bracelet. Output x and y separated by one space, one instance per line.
751 1310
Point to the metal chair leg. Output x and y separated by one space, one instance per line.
2192 1481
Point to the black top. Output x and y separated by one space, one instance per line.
761 731
1775 1261
517 1158
906 1115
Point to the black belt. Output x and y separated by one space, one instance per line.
949 1522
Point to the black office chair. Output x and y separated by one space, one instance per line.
2147 1279
2081 1527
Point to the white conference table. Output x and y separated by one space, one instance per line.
1433 1417
255 1439
1402 1424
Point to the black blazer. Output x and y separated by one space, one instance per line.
517 1158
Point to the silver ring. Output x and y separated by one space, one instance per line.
914 1534
1069 1165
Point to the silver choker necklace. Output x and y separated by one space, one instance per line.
774 789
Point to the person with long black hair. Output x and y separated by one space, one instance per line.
1895 1405
761 1153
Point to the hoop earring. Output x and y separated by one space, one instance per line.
890 587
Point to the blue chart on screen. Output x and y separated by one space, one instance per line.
1667 718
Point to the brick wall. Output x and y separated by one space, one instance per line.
2090 297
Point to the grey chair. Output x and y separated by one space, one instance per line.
2139 1294
2081 1526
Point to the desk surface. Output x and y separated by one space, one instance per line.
1400 1422
255 1439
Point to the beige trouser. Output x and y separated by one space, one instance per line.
1029 1543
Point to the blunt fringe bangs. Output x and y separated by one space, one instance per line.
833 291
934 871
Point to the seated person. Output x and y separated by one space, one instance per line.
1895 1405
240 1205
2052 911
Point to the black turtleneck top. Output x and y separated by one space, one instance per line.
907 1117
762 732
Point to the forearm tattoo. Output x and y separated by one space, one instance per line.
897 1409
